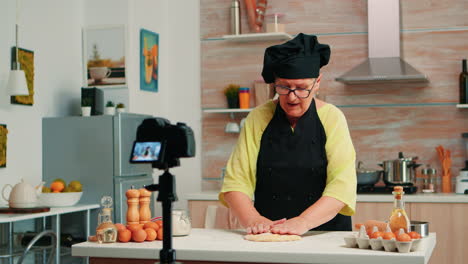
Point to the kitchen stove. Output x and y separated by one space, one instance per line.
371 189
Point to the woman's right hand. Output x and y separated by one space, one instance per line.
262 224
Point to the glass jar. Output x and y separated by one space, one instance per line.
181 225
273 23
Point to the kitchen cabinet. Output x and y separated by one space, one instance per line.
449 222
222 217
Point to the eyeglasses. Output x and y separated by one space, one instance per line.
299 92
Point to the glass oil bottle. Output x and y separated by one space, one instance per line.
399 218
106 232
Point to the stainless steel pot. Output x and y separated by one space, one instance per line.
401 171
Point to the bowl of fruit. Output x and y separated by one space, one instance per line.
59 194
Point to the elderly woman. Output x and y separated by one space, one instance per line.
294 155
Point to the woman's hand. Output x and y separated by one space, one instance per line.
294 226
262 224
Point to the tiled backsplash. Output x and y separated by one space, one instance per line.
383 118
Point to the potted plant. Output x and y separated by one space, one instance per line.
120 108
110 108
232 95
85 106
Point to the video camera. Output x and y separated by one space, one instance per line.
162 144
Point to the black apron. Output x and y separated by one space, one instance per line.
292 169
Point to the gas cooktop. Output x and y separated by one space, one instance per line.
370 189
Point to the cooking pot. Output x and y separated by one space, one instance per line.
401 171
367 176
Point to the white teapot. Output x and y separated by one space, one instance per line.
23 195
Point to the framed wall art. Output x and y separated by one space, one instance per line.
26 60
3 145
104 56
149 50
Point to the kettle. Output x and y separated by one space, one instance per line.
22 195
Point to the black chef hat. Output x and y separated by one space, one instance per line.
301 57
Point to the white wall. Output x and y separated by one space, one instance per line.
178 98
52 29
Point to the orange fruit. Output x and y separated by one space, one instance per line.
414 235
376 235
57 186
139 235
403 237
388 235
120 226
160 234
152 225
150 234
124 235
134 227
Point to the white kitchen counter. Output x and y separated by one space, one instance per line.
410 198
228 245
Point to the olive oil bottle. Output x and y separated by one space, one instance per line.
399 219
464 84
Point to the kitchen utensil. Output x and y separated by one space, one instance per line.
400 171
420 227
367 176
22 195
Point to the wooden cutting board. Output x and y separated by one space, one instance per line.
8 210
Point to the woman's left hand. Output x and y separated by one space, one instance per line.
294 226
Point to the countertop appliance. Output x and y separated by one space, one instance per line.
462 179
96 151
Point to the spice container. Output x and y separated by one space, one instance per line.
244 97
273 23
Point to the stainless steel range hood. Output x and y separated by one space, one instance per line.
384 63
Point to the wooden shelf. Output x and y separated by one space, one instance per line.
257 37
462 105
226 110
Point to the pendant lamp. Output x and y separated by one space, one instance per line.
17 79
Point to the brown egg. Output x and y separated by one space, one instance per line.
376 234
124 235
159 222
414 235
388 235
134 227
139 235
150 234
160 234
120 226
403 237
152 225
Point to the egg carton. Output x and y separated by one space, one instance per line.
380 244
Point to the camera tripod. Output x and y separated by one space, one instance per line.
167 195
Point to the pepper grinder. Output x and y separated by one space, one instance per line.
133 215
145 200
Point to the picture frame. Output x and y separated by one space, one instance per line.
104 56
3 145
149 60
26 60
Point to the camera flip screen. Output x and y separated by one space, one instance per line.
146 152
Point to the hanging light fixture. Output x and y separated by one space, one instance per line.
17 79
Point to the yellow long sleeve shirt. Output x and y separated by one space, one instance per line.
241 169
